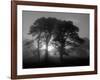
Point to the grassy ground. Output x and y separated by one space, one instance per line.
56 62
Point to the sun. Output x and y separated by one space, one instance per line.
50 47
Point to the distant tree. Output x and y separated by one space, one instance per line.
81 50
27 48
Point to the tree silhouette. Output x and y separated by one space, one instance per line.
66 30
42 29
49 26
36 30
64 33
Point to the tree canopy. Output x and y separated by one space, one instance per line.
63 32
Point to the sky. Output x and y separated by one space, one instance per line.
79 19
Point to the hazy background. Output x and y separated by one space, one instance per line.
80 20
77 56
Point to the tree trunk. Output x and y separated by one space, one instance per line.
38 49
46 53
61 50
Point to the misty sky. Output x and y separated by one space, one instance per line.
80 20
